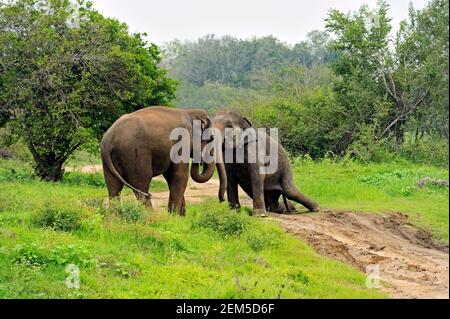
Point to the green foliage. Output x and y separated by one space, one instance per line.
36 256
428 150
74 81
216 72
31 256
129 210
387 89
308 123
83 179
379 188
301 278
227 224
165 256
388 177
58 218
259 241
72 254
366 94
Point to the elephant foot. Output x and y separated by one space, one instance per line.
260 213
315 209
236 207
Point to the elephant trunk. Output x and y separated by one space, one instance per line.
223 180
205 176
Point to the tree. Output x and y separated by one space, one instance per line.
389 86
417 75
63 84
362 39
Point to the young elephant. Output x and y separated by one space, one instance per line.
138 146
264 189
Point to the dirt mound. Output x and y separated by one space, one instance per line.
411 263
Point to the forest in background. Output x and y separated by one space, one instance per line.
356 89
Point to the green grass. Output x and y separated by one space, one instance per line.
128 252
378 188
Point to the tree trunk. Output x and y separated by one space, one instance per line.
50 172
49 169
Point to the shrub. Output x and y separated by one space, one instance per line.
30 255
36 256
259 240
300 277
61 219
130 211
389 177
430 150
13 170
226 224
72 254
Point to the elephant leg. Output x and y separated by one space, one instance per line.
183 207
232 189
257 182
292 193
112 183
177 177
140 176
274 205
271 200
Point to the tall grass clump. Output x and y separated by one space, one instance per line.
58 218
130 211
222 221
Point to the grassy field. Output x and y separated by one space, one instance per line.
128 252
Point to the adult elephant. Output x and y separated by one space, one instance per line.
265 188
138 147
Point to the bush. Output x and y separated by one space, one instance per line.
72 254
13 170
259 240
430 150
36 256
61 219
226 224
130 211
30 255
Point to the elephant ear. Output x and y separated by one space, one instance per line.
206 124
246 123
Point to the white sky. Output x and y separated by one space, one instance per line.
288 20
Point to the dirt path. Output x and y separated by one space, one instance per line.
410 263
195 193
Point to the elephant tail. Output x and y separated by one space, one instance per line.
107 160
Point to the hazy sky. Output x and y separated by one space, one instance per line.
288 20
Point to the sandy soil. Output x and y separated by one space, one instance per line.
88 169
410 263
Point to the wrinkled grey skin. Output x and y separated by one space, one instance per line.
265 190
137 148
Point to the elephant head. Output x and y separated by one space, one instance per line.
201 117
231 124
